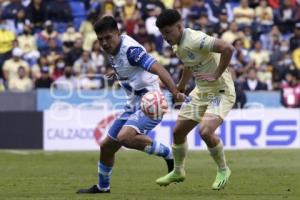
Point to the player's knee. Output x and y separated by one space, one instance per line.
206 132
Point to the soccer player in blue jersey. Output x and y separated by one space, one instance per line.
137 72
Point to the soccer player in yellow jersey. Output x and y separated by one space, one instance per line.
206 58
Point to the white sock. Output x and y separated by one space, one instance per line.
217 153
179 153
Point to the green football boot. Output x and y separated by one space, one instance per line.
221 179
171 177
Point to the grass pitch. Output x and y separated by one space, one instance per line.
257 174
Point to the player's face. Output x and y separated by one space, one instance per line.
109 41
172 34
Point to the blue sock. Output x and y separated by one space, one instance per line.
159 149
104 173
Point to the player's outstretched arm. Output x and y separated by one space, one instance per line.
226 51
167 80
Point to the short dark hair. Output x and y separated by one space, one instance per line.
107 23
168 17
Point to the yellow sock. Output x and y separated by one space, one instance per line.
179 153
217 153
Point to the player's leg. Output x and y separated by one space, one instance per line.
134 135
217 109
208 126
182 128
189 116
108 147
105 165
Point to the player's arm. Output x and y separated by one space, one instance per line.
185 77
226 51
165 77
140 58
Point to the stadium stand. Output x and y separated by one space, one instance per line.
266 35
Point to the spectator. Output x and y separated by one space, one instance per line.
232 34
271 41
286 16
152 28
200 23
290 90
215 7
10 67
59 68
222 25
284 61
295 39
258 56
20 22
145 5
11 11
53 52
240 63
27 43
59 11
36 69
90 81
69 37
199 8
74 53
150 48
296 58
243 14
45 81
241 98
252 83
36 12
88 33
264 16
6 43
21 82
130 16
108 8
141 34
47 34
168 3
239 46
82 65
67 81
97 57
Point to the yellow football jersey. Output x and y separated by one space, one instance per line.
195 51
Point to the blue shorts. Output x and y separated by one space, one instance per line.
137 120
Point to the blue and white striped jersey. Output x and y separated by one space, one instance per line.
132 65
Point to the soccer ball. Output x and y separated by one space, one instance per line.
154 104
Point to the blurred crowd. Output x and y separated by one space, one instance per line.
52 42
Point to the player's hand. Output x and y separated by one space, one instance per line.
206 76
110 75
180 88
179 97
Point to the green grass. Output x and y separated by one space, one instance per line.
257 174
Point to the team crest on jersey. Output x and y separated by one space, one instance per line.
191 55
